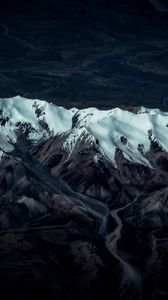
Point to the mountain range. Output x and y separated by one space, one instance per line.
83 201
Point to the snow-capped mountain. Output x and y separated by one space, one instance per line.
36 120
132 132
84 190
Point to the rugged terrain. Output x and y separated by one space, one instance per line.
83 202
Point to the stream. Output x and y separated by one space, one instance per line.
130 275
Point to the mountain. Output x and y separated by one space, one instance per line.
130 130
83 201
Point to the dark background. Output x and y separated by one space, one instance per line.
85 53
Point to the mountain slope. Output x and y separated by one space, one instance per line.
83 202
131 132
33 119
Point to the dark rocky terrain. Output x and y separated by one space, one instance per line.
72 227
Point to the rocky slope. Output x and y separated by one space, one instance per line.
83 202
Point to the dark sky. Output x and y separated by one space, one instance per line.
85 53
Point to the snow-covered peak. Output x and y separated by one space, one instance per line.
37 119
130 132
31 111
113 129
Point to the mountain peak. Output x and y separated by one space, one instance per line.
34 119
129 131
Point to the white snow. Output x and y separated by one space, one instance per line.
19 109
123 123
109 126
105 126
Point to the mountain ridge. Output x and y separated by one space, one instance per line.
66 206
131 131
